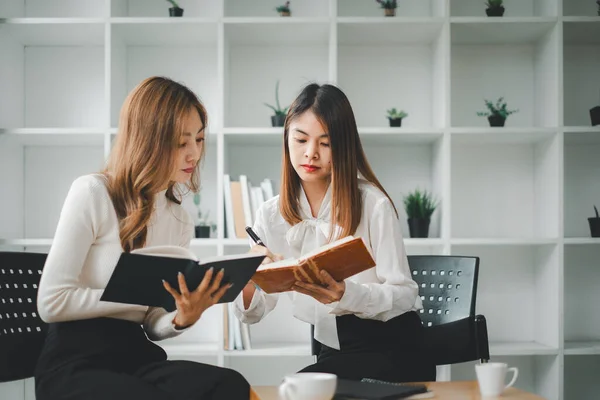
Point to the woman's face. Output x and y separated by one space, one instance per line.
308 143
189 148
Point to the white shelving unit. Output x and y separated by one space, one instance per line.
518 197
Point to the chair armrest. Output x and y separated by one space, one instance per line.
459 341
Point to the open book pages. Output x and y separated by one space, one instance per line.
182 252
289 262
166 251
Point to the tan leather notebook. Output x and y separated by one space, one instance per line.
342 259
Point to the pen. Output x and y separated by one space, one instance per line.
254 236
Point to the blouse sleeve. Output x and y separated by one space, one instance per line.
262 303
397 292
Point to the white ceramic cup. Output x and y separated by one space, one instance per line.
308 386
491 377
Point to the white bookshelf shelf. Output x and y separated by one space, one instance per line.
521 349
273 350
582 348
582 241
518 196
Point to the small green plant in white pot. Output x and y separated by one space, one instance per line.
495 8
419 206
595 224
279 118
396 116
496 113
175 11
389 7
284 10
204 227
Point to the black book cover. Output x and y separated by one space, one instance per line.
137 277
348 389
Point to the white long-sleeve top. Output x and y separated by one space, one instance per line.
85 250
382 292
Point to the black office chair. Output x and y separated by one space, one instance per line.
448 290
22 332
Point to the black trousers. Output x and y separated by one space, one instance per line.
392 351
112 359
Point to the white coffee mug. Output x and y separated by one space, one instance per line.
308 386
491 377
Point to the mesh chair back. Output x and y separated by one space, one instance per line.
22 332
447 286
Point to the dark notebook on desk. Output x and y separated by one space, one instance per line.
348 389
137 277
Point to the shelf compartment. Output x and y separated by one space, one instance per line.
581 168
581 296
505 191
513 59
57 78
47 175
581 377
580 8
258 55
581 55
143 50
160 8
413 71
516 293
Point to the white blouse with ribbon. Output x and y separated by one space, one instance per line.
382 292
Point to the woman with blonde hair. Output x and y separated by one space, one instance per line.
104 350
368 324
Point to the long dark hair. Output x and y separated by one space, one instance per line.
333 110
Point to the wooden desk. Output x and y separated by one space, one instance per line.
466 390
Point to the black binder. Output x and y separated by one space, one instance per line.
137 277
349 389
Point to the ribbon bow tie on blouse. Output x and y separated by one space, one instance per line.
308 235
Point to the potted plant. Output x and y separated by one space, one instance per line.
419 206
495 8
497 113
389 7
595 224
175 11
595 111
279 118
203 228
396 116
284 10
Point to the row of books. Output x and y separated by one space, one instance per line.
242 200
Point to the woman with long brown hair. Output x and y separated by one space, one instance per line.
104 350
367 325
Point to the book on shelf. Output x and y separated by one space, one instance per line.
242 201
138 275
341 259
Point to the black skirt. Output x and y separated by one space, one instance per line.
393 351
107 358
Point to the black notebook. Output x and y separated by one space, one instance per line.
137 277
348 389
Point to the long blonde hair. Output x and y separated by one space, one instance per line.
333 110
143 157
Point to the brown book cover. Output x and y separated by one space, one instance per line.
342 259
